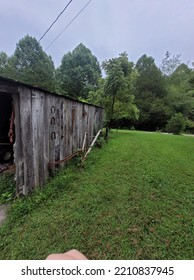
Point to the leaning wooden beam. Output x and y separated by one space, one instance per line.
93 142
84 142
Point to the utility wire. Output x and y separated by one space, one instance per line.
68 24
55 20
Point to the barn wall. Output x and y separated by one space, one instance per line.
48 128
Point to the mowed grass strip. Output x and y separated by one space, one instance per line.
133 200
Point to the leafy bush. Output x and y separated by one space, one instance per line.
189 126
176 124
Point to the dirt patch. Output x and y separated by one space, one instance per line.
3 215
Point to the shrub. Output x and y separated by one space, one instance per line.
189 126
176 124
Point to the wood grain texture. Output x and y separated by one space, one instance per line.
48 128
25 107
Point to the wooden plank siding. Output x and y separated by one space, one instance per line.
48 128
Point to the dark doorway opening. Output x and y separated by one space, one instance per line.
6 129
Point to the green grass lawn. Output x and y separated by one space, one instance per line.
133 200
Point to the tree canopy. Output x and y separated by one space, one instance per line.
150 93
78 73
170 63
30 64
116 93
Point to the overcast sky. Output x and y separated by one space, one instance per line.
106 27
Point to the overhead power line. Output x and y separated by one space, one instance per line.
55 20
68 24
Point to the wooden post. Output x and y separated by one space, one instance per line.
84 142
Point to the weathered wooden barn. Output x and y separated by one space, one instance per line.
44 128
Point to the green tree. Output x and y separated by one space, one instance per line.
30 64
150 93
5 66
3 61
176 124
118 97
170 63
78 73
97 96
191 81
150 77
180 92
